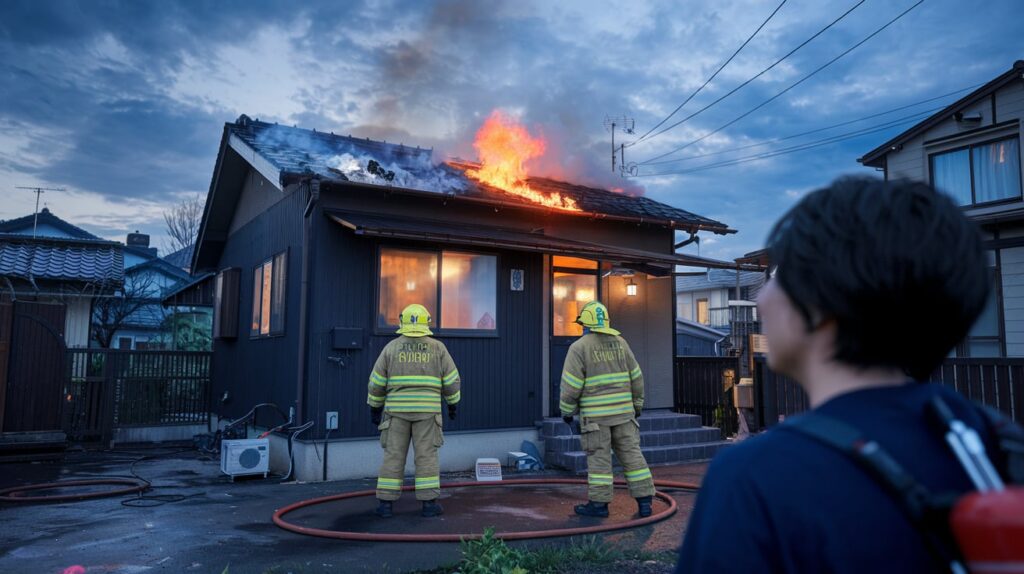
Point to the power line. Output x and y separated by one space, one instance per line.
800 147
817 130
791 86
708 81
761 73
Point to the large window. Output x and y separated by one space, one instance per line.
984 340
569 293
981 173
462 285
268 296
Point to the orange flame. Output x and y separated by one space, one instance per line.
504 145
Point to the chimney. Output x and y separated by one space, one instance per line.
140 240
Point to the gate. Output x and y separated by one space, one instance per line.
34 366
704 387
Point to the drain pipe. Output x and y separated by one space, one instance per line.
307 256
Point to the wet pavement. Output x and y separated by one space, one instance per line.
219 523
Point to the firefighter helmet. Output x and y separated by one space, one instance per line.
414 321
594 316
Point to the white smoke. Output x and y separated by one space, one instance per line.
367 169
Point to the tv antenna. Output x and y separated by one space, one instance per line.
627 125
39 191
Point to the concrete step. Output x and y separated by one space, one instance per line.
576 461
554 427
674 437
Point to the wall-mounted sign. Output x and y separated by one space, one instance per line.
759 344
517 279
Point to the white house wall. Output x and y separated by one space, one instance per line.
1013 299
76 321
644 319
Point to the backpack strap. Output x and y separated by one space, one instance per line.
928 513
1009 438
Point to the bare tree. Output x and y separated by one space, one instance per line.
183 221
111 313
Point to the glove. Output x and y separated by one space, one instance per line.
568 420
375 415
451 411
637 411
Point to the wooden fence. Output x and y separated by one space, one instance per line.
107 389
704 387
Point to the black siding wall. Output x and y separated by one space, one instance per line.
501 376
264 369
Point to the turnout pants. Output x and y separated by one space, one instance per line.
599 440
423 430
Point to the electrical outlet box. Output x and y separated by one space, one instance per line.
332 420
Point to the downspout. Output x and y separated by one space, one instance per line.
307 247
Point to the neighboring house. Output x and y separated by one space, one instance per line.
146 278
697 340
48 285
704 298
318 241
181 258
972 151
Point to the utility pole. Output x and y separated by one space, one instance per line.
39 191
627 125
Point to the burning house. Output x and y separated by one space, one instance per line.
317 242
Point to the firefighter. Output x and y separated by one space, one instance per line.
411 377
602 381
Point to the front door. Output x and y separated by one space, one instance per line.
574 283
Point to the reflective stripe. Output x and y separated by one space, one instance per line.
638 475
600 479
378 379
452 399
428 482
450 377
572 380
413 409
635 373
566 407
389 483
607 399
605 411
417 380
413 396
374 401
608 379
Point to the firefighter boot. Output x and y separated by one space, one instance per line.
644 505
591 508
384 509
431 508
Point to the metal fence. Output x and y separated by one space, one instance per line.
109 389
704 387
998 383
775 396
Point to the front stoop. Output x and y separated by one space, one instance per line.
665 438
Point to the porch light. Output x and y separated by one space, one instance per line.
631 288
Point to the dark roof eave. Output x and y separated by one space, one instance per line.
291 177
874 158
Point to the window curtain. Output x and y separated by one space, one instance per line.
997 171
951 173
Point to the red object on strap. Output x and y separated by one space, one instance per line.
989 528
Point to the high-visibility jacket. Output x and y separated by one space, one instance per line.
411 375
601 378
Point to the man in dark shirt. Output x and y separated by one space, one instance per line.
873 283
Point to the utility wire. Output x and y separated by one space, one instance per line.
818 130
708 81
761 73
799 147
791 86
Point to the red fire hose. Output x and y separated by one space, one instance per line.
18 493
518 535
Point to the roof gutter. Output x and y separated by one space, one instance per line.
497 204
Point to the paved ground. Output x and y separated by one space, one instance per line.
224 523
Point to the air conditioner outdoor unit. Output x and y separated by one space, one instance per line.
245 457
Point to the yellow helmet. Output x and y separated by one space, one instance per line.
414 321
594 316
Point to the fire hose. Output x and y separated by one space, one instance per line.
280 521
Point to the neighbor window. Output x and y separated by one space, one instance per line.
980 173
268 296
465 289
984 339
703 313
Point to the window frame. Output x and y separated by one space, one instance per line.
260 268
436 327
970 166
598 291
707 309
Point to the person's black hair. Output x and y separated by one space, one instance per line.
897 266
